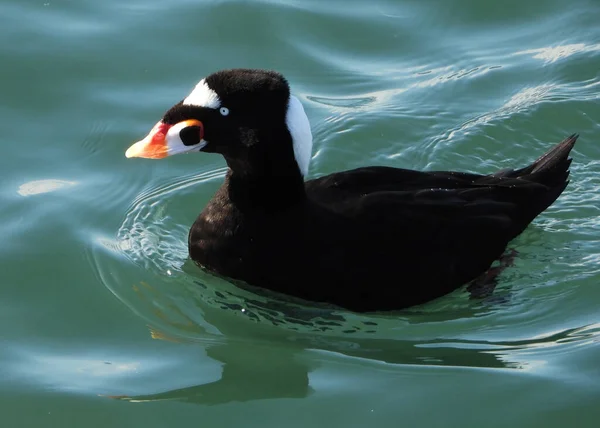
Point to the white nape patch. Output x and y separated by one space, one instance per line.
299 127
203 96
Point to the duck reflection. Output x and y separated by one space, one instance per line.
265 362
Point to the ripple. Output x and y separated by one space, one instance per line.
351 102
552 54
149 234
519 102
448 74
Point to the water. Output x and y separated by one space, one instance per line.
105 323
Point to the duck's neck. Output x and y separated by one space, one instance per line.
274 189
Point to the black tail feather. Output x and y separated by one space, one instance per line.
557 156
551 170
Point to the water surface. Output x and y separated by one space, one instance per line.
107 324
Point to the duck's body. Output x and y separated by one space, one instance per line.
373 238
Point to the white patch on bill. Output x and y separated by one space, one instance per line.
174 144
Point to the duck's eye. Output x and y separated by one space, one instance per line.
224 111
190 135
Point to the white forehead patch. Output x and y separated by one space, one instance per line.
299 127
203 96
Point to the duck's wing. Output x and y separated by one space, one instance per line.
520 194
348 184
432 195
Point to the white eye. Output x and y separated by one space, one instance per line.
224 111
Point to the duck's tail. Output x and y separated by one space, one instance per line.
551 171
552 168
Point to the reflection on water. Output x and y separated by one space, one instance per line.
279 374
258 365
43 186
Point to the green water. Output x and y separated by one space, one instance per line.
105 323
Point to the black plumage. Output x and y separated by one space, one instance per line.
368 239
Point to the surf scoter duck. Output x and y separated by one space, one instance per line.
368 239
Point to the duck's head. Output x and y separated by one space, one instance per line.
248 116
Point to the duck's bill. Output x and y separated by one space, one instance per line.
164 140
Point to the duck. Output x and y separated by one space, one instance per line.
370 239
